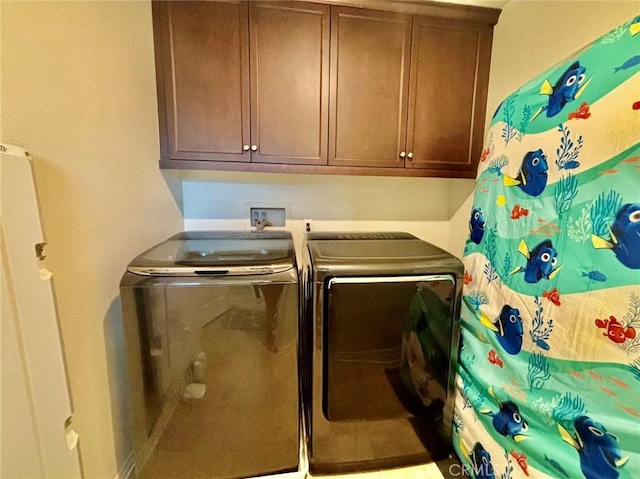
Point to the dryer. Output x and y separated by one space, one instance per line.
211 328
379 345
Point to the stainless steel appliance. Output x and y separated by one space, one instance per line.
379 335
211 326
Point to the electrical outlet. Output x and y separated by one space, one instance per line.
308 225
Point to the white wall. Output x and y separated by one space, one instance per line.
422 206
531 36
78 91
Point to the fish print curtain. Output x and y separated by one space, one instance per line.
549 376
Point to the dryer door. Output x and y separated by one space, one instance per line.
386 345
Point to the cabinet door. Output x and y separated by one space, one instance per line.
204 79
370 53
448 95
289 82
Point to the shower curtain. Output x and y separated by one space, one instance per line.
549 376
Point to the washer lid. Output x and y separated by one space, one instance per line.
211 253
359 235
377 253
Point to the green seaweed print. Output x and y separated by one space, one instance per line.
567 408
508 131
497 163
603 212
540 329
458 423
477 298
565 192
524 122
615 34
507 266
631 319
568 151
508 469
490 244
538 371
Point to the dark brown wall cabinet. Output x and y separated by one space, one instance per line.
320 88
243 82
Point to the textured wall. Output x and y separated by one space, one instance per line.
78 91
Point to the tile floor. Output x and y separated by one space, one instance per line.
423 471
426 471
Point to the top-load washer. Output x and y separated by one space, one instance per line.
380 333
211 328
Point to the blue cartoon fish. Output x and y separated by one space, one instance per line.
556 465
481 461
630 63
625 236
634 28
568 87
532 177
594 275
600 456
508 328
541 261
508 420
476 225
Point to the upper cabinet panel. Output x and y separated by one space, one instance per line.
289 82
449 74
204 55
370 53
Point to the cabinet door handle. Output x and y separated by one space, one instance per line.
245 147
254 147
410 155
402 154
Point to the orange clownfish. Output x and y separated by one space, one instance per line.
521 458
495 359
552 296
581 113
616 332
518 211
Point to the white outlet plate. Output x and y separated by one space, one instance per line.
307 226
